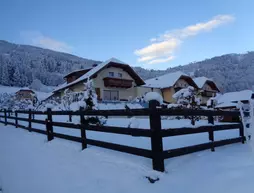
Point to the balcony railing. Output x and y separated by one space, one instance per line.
208 93
117 82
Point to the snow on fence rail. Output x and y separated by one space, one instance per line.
155 133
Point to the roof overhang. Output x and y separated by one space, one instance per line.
212 85
77 71
189 80
139 81
25 90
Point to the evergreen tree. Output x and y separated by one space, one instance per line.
187 98
5 75
17 78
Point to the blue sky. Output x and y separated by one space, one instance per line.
152 34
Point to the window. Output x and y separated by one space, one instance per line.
120 75
111 74
111 95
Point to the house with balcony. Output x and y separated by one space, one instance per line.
168 84
113 80
207 88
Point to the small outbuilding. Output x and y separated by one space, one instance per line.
25 94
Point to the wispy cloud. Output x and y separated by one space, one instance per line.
163 47
38 39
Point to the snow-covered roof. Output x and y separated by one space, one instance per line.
226 105
25 89
200 82
165 81
93 71
243 95
80 70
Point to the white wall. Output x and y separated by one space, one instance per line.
143 90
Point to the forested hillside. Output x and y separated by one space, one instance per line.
232 72
20 65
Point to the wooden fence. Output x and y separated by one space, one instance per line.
155 133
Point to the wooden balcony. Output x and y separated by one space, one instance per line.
208 93
117 82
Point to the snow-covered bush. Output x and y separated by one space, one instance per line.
74 100
23 104
70 98
187 98
153 96
50 103
86 99
7 101
139 99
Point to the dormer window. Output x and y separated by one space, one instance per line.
111 74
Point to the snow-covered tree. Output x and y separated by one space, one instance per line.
7 101
24 104
86 99
17 77
5 75
186 98
91 96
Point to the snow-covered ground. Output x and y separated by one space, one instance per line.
142 123
30 164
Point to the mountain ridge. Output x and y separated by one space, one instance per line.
21 65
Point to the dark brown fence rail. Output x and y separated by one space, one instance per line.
155 133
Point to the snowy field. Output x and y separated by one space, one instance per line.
31 164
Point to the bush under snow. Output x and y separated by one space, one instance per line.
153 96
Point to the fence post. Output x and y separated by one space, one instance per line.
16 119
211 132
29 120
156 138
84 124
5 117
70 118
49 125
241 133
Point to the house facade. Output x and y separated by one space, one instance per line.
25 94
112 80
206 88
168 84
